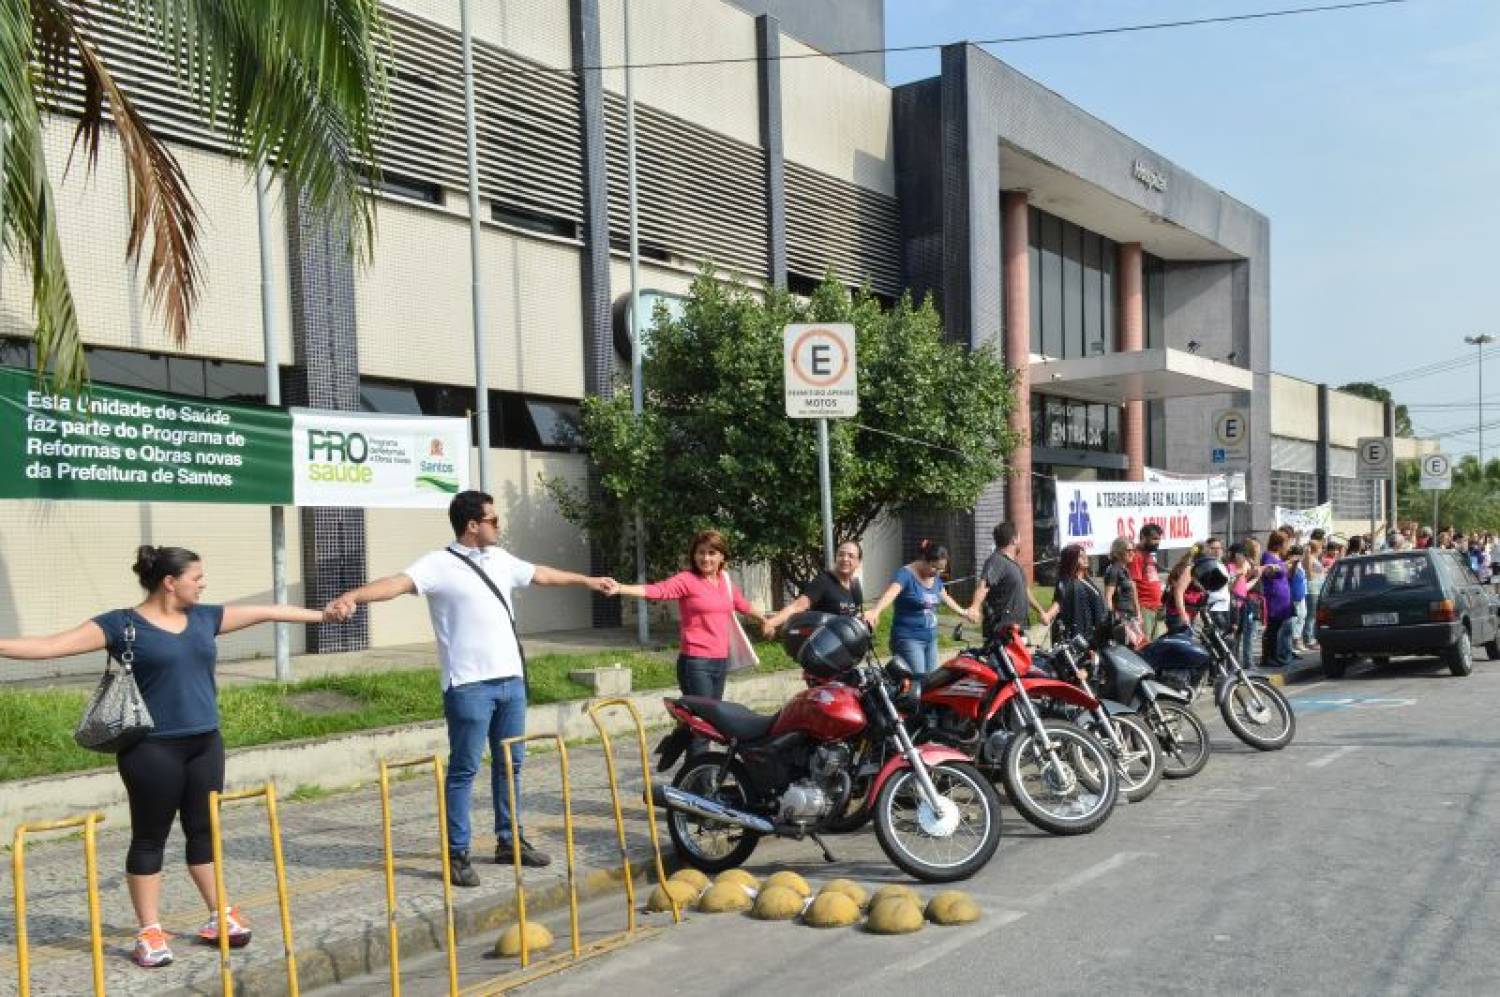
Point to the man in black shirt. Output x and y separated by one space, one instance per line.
1002 592
837 591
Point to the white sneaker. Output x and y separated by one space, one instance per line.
151 947
239 931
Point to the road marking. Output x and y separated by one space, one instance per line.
932 953
1314 685
1084 877
1329 759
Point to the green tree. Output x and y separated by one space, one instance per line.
714 447
292 83
1375 392
1473 503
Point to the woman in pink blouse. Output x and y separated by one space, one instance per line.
706 603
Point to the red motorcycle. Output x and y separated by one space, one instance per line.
792 774
984 702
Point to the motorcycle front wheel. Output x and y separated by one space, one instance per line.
1059 793
950 843
1183 738
711 846
1140 764
1261 717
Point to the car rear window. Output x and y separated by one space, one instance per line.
1380 572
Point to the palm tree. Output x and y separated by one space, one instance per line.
296 84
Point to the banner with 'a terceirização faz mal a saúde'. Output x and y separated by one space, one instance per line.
120 444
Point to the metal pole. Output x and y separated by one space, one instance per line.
476 281
281 631
1374 500
1434 513
1482 340
637 401
825 485
1229 515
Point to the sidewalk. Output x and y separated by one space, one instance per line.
334 863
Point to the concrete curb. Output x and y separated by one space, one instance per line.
368 952
347 760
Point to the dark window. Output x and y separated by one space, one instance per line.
390 398
526 422
1034 263
531 221
1072 290
1107 256
1294 489
409 187
146 371
234 382
1063 424
1093 316
17 353
1155 305
1050 294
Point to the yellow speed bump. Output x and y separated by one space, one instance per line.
694 877
739 877
537 937
791 881
674 894
723 898
848 888
896 890
90 871
952 907
894 916
832 910
777 903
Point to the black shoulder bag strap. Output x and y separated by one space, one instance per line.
516 633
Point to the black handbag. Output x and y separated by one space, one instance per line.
116 718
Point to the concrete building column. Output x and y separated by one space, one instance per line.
1129 277
1017 302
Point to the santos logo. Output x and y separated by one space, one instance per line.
338 456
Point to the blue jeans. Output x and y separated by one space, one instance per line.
1310 624
1249 636
920 655
482 714
702 676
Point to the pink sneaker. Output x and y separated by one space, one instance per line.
151 947
239 931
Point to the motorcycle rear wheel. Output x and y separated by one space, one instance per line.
708 845
1276 726
1185 746
1068 799
916 840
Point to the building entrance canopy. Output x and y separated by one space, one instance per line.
1138 375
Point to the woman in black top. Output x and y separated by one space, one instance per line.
1080 606
837 591
173 770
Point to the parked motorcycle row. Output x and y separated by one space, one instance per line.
1064 733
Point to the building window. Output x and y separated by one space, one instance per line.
1153 287
1350 497
1072 288
1065 424
409 187
532 221
1294 489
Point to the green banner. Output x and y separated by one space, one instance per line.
115 444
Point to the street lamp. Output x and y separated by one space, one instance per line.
1481 341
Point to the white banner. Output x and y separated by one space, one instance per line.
1094 513
1218 487
364 460
1304 521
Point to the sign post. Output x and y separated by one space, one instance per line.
1437 476
820 378
1375 461
1229 450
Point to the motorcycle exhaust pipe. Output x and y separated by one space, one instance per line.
673 798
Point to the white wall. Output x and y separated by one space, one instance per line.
836 120
536 29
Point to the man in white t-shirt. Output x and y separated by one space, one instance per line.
480 657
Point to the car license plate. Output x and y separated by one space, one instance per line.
1379 619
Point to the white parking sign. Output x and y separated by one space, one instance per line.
1229 444
1375 458
1437 472
820 374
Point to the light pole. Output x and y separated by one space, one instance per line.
1482 340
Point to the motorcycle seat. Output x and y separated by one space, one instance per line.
730 719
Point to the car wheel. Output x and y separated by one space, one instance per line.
1460 656
1334 665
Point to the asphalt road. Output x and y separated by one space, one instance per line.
1360 860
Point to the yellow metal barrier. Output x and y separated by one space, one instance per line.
215 801
515 835
390 868
614 795
91 869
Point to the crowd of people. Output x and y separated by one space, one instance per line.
1270 605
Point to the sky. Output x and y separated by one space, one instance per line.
1370 138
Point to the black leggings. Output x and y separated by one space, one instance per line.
164 778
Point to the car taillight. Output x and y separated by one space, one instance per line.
1325 616
1443 611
